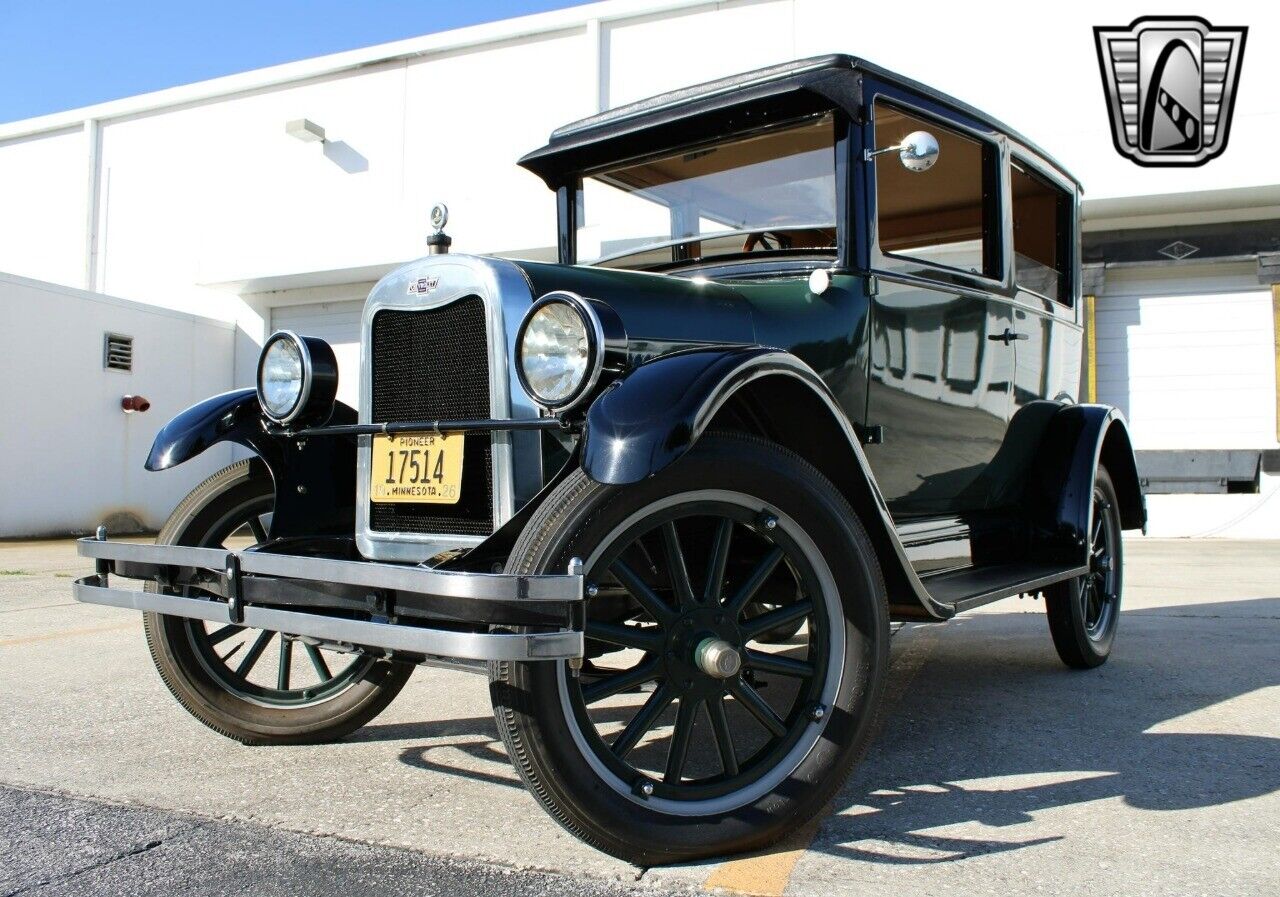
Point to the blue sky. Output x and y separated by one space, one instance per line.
60 54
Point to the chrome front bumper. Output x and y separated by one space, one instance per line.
437 615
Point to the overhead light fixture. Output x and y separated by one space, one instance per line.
305 130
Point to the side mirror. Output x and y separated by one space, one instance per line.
917 151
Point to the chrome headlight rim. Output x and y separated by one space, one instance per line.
595 349
319 385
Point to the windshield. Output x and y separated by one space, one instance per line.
772 193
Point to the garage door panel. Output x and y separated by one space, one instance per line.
1223 368
340 322
1163 312
1198 358
1189 340
1190 371
1199 403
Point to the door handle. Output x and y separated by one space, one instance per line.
1007 337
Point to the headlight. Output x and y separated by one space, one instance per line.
297 378
280 378
555 353
560 350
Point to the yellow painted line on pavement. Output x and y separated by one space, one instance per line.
767 874
65 633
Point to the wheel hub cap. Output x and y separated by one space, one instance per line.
717 658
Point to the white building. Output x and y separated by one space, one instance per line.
197 201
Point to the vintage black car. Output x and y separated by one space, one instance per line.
809 364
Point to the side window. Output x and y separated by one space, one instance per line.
1041 234
946 216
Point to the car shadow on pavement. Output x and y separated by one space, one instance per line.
476 738
994 730
437 743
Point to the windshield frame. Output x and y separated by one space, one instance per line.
569 200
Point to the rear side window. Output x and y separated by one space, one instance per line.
1041 234
944 217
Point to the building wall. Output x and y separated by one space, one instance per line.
43 183
70 458
199 196
697 44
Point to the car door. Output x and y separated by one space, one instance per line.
942 357
1046 330
941 378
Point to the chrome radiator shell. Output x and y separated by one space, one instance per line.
434 282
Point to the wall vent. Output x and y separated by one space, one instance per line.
117 352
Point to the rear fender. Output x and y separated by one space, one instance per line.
1077 440
314 479
651 417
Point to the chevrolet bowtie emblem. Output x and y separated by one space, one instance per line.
423 285
1171 84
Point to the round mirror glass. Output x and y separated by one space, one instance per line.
919 151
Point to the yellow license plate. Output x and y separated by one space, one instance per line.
417 467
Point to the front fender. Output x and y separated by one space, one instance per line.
655 414
652 416
314 479
232 416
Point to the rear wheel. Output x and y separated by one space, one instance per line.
255 685
1084 612
692 730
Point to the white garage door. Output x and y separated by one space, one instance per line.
338 324
1190 372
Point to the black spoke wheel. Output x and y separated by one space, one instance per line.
1084 612
703 562
691 729
257 665
255 685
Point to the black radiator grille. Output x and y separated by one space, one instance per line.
433 364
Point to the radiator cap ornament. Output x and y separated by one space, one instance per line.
439 242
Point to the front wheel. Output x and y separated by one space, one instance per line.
691 730
1084 612
255 685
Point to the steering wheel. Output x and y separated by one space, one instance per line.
764 238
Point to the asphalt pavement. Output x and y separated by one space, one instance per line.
996 771
58 845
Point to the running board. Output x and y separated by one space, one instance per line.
975 586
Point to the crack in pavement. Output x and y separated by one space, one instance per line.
119 855
198 821
221 856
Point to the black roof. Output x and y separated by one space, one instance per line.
819 83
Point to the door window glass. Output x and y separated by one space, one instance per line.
945 216
1041 234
